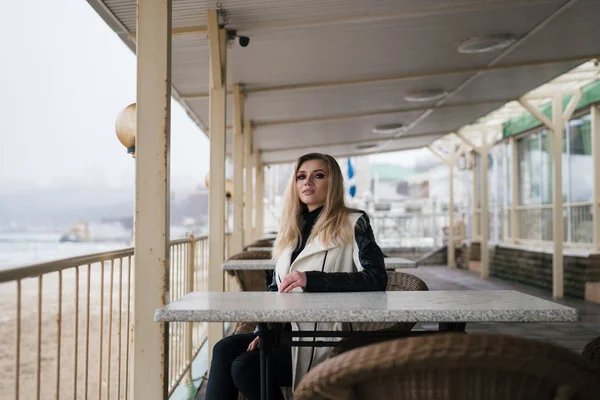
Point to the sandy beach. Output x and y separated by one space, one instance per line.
110 363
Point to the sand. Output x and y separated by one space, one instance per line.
52 374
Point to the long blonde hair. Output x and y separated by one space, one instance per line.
333 224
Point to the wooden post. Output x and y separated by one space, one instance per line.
595 132
485 217
514 190
249 189
237 243
151 240
475 194
557 200
556 126
216 203
259 198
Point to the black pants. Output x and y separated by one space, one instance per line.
234 368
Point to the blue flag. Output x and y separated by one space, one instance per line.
351 185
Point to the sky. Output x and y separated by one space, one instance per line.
64 77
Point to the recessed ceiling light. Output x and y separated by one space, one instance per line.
483 44
366 146
426 95
388 129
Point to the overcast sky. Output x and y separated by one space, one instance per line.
64 77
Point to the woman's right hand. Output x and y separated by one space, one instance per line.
254 344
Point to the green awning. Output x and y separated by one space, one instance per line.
526 121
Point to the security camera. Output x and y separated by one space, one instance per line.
232 35
244 41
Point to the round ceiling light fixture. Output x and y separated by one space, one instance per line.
366 146
389 129
426 95
483 44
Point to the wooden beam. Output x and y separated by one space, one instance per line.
433 135
341 117
215 51
397 78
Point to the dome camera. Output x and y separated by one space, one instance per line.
232 35
244 41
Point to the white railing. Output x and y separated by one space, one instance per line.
535 227
65 324
409 230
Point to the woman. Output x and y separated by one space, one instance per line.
322 246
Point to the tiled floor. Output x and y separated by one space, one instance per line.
572 335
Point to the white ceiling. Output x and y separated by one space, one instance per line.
392 46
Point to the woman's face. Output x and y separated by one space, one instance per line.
312 180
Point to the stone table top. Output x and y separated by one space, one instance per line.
233 265
390 263
260 248
417 306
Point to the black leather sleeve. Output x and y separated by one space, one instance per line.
273 286
373 276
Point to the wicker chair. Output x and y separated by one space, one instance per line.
249 281
261 243
454 366
591 352
397 281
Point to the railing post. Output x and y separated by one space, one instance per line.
149 373
189 327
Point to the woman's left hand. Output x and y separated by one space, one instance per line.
293 280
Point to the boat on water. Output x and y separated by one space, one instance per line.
85 231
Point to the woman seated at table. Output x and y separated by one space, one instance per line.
322 246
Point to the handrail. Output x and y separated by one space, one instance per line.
34 270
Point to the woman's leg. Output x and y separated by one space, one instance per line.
245 372
220 386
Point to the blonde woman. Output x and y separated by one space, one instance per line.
322 246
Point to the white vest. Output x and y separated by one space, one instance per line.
317 257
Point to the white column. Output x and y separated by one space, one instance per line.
151 239
451 252
595 132
237 243
557 260
475 188
485 217
514 190
216 202
249 189
259 198
556 126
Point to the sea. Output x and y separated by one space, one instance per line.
22 248
25 248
